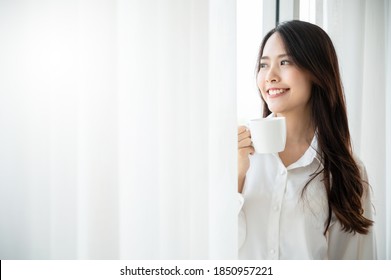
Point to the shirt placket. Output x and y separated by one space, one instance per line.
275 213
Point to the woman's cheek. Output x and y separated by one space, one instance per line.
261 84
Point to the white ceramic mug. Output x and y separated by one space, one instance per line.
268 134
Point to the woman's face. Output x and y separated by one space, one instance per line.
285 88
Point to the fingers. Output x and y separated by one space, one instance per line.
246 142
241 129
245 148
244 138
244 152
243 133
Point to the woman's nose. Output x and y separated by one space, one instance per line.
272 75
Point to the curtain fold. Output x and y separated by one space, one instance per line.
360 37
118 123
387 13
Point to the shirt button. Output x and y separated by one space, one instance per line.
272 251
283 171
275 208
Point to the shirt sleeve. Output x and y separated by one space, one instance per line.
350 246
241 221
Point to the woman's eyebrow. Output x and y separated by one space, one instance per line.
278 56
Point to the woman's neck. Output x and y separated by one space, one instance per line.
299 133
299 128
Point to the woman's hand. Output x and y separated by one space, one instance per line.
244 150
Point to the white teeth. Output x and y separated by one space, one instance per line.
276 91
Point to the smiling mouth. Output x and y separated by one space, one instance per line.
275 92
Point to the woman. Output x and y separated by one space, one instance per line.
311 201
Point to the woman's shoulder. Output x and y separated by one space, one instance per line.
364 176
360 165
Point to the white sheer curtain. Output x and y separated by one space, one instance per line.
360 31
118 125
387 11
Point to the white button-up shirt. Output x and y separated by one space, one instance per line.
277 222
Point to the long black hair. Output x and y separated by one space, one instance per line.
312 50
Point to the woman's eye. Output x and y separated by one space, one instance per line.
285 62
262 65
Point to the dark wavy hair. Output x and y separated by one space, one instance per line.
312 50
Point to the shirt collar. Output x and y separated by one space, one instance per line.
309 156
